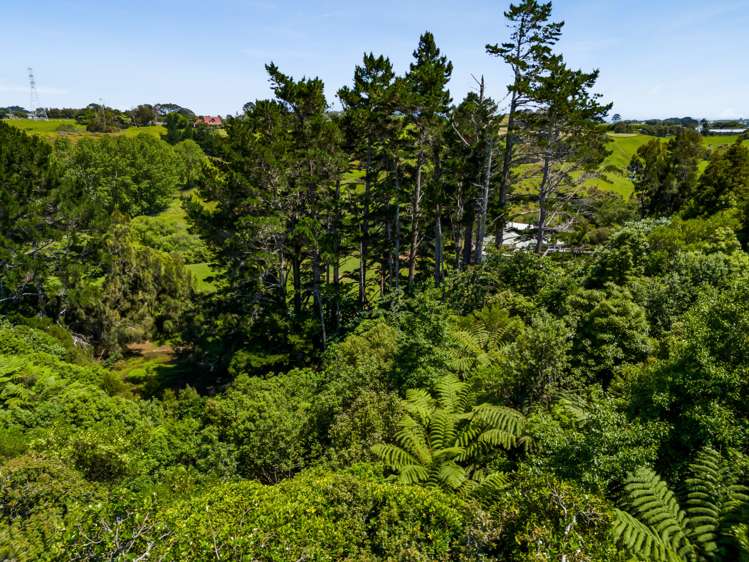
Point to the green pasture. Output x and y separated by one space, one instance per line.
69 128
201 272
624 146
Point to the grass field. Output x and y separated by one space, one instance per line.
175 216
69 128
624 146
721 140
201 272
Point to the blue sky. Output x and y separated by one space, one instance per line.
657 58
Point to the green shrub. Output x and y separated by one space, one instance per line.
316 516
19 340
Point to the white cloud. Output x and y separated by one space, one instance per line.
729 113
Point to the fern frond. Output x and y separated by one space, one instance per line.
468 436
490 487
393 457
656 505
412 438
714 500
460 364
451 393
500 417
640 540
419 404
575 407
497 438
451 475
447 453
703 499
442 430
413 474
468 341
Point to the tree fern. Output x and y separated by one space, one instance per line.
440 438
452 394
394 456
704 499
639 539
479 337
715 502
658 508
708 529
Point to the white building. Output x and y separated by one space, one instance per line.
521 236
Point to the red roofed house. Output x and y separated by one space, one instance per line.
210 120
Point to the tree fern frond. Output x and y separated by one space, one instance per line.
468 341
707 498
706 530
461 364
471 452
442 430
575 407
640 540
450 393
451 475
393 457
497 438
413 474
500 417
419 404
468 436
656 505
490 486
448 453
413 440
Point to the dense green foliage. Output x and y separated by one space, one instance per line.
369 377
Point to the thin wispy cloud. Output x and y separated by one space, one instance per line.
691 19
268 55
18 89
644 49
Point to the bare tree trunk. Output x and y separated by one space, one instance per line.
542 210
504 181
415 212
438 246
364 244
456 229
316 295
297 274
397 226
468 242
484 202
438 237
337 256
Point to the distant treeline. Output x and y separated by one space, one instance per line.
670 127
100 118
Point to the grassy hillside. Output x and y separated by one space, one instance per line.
624 146
69 128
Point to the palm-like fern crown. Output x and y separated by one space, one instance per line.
479 336
441 436
662 530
